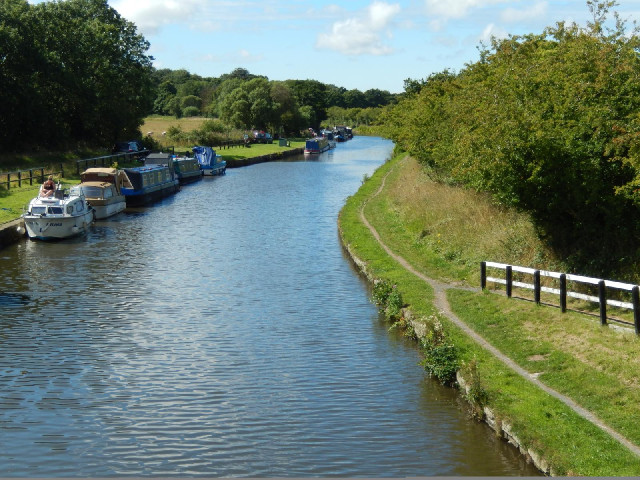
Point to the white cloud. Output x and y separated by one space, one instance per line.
457 8
513 15
362 34
150 15
491 31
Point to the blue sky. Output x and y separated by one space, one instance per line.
359 44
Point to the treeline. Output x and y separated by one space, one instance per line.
75 72
549 124
244 101
71 72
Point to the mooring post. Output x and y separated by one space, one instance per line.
483 275
602 294
563 292
536 286
509 278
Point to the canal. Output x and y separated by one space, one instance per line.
222 332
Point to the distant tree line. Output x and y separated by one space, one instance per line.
75 72
71 72
549 124
245 101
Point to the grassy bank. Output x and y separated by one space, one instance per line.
444 233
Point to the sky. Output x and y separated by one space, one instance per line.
355 44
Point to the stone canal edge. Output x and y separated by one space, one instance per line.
442 304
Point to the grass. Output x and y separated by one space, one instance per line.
445 232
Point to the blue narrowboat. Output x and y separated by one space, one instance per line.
151 182
316 145
187 169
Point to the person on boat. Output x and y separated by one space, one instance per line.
48 187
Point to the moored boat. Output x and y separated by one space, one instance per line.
210 162
102 188
328 134
316 145
151 182
187 169
58 216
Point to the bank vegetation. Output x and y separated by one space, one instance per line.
547 124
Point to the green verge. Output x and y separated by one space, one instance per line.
570 352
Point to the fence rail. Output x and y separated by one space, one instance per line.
563 291
27 176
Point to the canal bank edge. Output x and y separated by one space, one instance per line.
14 231
503 429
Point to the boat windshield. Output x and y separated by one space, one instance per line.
92 192
56 210
38 210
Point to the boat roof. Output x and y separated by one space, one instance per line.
104 170
96 184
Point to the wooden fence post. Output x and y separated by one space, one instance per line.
483 275
31 176
509 278
602 295
536 286
62 170
19 178
42 175
563 292
8 181
635 299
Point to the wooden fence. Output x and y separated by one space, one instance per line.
27 176
564 282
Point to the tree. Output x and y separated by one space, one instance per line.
549 124
86 76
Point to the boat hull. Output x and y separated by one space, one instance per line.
56 228
106 210
137 198
213 171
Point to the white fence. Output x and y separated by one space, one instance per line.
562 278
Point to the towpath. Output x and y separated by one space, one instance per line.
442 304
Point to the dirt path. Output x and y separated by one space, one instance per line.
442 304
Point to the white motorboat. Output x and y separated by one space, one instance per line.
101 188
58 216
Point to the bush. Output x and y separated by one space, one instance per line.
191 112
441 357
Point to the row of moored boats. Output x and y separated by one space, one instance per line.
104 192
327 139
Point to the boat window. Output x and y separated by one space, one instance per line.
76 190
56 210
107 193
38 210
92 192
69 209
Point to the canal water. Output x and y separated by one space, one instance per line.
222 332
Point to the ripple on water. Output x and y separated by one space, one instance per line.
221 332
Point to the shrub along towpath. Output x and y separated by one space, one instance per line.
560 387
